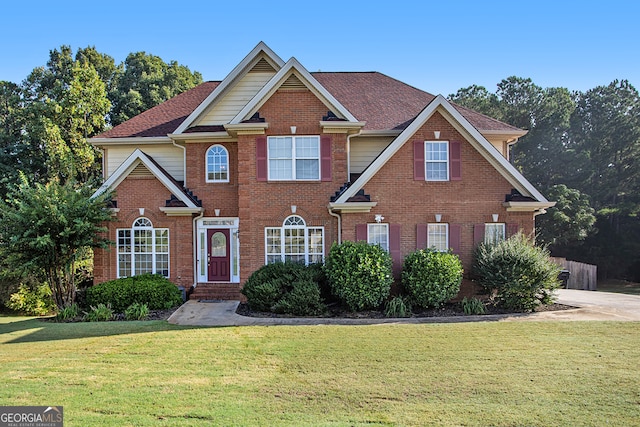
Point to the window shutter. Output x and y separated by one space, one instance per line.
478 234
261 158
455 243
418 161
455 162
394 248
421 236
361 232
512 229
325 158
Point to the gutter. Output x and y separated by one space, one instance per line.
336 215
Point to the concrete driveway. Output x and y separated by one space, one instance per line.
590 305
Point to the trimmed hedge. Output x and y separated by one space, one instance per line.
359 274
288 288
431 278
154 290
517 273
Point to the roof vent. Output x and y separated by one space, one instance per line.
140 170
293 82
262 66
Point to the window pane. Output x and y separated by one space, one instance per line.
124 265
218 244
217 164
378 234
142 241
143 264
280 169
308 147
437 158
307 169
493 233
294 241
316 245
124 241
437 237
274 245
280 147
437 171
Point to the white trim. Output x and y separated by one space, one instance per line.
293 67
369 235
293 158
206 165
242 68
352 207
130 163
207 223
135 140
281 231
447 243
527 206
479 142
447 162
132 253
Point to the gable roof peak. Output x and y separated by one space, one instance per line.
257 54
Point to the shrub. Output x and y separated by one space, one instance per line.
518 274
431 278
473 306
136 311
68 313
303 299
288 287
397 307
154 290
99 313
359 274
33 302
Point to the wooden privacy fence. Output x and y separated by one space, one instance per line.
582 276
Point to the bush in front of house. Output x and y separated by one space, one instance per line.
431 278
359 274
154 290
286 287
519 275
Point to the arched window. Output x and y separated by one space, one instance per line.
217 168
294 241
143 249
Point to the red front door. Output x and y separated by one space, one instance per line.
219 255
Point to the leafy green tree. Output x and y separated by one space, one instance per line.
570 220
48 229
146 82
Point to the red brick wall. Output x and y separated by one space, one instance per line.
214 195
267 204
148 193
472 200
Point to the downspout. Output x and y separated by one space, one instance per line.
332 213
184 162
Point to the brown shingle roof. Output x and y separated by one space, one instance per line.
382 102
164 118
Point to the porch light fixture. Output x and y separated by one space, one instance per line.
495 217
438 217
379 218
217 211
436 133
293 130
294 208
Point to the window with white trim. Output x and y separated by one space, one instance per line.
143 249
217 164
378 234
494 232
438 236
294 158
437 160
294 241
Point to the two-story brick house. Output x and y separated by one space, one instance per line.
277 163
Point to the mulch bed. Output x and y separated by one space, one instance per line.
447 310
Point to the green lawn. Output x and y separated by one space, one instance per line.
465 374
619 286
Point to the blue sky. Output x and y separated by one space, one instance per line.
437 46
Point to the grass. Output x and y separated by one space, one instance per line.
619 286
467 374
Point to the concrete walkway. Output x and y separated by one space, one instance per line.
590 305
